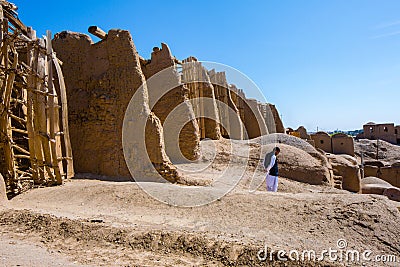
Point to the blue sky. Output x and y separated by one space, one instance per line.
326 64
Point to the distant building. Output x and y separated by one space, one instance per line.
339 143
383 131
301 132
342 144
322 141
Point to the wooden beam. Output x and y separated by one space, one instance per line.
5 122
20 149
64 119
53 113
96 31
15 21
22 156
31 57
41 136
20 120
19 131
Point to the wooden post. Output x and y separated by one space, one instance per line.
29 110
64 118
362 166
96 31
41 113
1 21
29 106
33 92
5 120
51 110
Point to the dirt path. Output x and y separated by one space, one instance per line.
17 252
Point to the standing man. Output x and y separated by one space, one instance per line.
272 170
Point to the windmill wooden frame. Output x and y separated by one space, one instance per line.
35 147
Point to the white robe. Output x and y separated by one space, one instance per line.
271 181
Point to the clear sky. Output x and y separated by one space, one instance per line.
327 64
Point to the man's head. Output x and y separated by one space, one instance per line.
277 151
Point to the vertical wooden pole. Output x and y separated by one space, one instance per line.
40 114
377 148
1 27
29 112
9 87
34 89
5 120
362 166
51 110
9 83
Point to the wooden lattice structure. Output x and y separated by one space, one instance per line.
34 138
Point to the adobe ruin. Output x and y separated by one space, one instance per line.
101 79
337 144
388 173
383 131
342 144
302 133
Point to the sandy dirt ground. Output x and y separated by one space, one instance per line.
105 223
16 252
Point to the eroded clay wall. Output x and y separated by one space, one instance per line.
202 97
238 97
385 132
101 79
278 121
228 112
391 175
342 144
254 119
322 141
166 93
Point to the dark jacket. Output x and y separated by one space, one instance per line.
274 170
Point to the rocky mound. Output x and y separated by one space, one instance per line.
278 138
392 193
387 153
373 185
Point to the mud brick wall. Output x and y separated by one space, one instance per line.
278 121
202 98
101 79
166 83
228 111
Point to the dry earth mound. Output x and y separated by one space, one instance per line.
387 153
